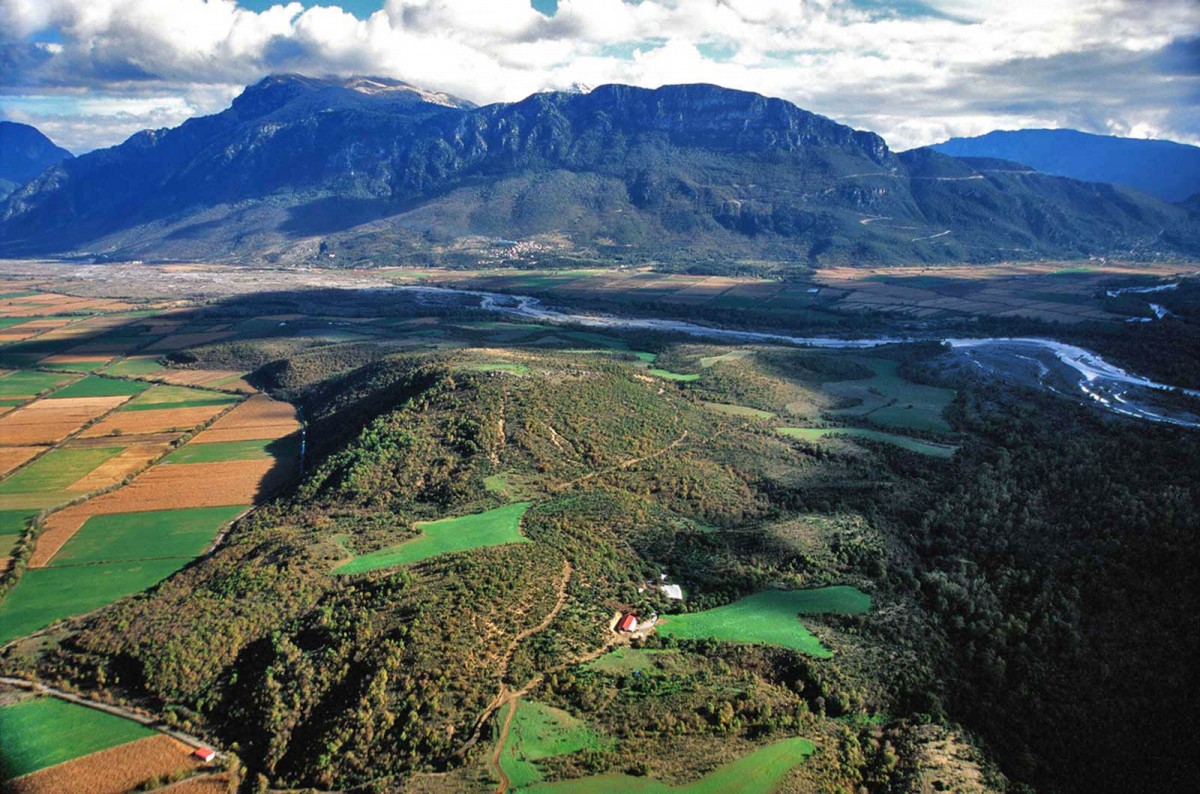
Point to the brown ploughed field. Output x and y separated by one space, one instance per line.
50 421
163 420
113 771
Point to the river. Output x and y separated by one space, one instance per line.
1058 366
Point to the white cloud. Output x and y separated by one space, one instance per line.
913 78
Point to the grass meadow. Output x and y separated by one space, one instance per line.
759 772
478 530
770 617
539 732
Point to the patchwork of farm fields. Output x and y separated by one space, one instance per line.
36 733
111 477
49 746
1046 291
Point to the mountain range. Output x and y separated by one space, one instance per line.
1168 170
364 170
24 153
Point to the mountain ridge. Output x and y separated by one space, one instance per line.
370 169
1166 169
25 152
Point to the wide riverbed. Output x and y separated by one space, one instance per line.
1053 365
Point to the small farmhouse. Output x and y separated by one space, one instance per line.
627 623
205 754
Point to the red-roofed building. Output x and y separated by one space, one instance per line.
627 623
205 754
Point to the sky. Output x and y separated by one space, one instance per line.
89 73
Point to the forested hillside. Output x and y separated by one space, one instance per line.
1015 570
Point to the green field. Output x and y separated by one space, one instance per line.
23 384
739 410
892 401
261 449
56 470
912 444
760 772
13 522
40 732
125 537
539 732
158 397
44 595
135 367
770 617
95 386
72 365
478 530
732 355
664 373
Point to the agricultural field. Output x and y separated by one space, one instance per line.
12 457
25 385
491 528
770 617
45 595
132 766
256 418
930 448
158 398
95 386
152 534
50 420
135 367
56 471
760 772
537 732
40 732
253 449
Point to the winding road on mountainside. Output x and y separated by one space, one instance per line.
613 638
1094 378
509 697
625 464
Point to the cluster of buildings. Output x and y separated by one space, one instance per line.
630 623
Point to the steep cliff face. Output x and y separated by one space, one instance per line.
671 171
